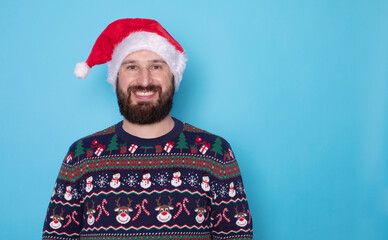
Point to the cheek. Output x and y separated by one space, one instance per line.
125 80
122 84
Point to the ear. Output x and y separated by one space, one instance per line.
245 214
157 208
94 211
196 210
51 217
171 208
236 216
116 209
62 218
130 209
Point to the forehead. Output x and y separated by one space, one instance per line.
143 56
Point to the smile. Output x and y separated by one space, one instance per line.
144 93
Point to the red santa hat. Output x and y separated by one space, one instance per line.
125 36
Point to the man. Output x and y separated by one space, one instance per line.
150 176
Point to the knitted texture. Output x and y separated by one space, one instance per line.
183 185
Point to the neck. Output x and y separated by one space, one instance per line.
152 130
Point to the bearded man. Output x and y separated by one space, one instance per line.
132 165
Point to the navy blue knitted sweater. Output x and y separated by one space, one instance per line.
183 185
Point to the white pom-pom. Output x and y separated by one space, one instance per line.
81 70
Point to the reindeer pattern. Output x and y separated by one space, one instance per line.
56 219
90 213
123 211
164 214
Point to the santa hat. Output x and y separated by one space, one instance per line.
125 36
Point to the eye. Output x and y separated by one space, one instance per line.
156 67
131 67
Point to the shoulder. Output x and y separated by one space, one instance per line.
90 142
214 144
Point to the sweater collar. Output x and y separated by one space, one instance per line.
122 134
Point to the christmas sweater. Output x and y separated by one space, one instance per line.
183 185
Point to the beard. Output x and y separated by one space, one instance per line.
145 112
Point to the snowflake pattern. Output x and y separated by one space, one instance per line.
83 183
162 179
102 180
240 187
131 180
192 179
60 191
75 193
223 191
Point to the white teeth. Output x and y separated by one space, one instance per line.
144 93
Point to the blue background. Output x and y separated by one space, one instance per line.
299 88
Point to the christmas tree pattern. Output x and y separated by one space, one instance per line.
146 147
182 144
217 147
113 145
79 149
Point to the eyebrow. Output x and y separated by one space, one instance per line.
134 61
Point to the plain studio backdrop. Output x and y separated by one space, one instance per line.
299 88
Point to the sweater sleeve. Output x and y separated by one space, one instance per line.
230 214
64 214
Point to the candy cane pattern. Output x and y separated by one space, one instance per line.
142 205
68 222
250 216
219 220
223 214
184 205
179 211
99 213
103 207
138 213
72 216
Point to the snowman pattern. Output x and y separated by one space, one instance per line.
146 182
176 178
205 182
115 182
232 191
68 195
89 185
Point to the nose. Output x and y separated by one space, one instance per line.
123 214
56 222
200 215
90 216
145 78
241 219
164 213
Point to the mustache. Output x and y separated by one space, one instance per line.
144 88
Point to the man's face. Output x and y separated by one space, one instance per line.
145 88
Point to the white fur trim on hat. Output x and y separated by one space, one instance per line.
137 41
81 70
